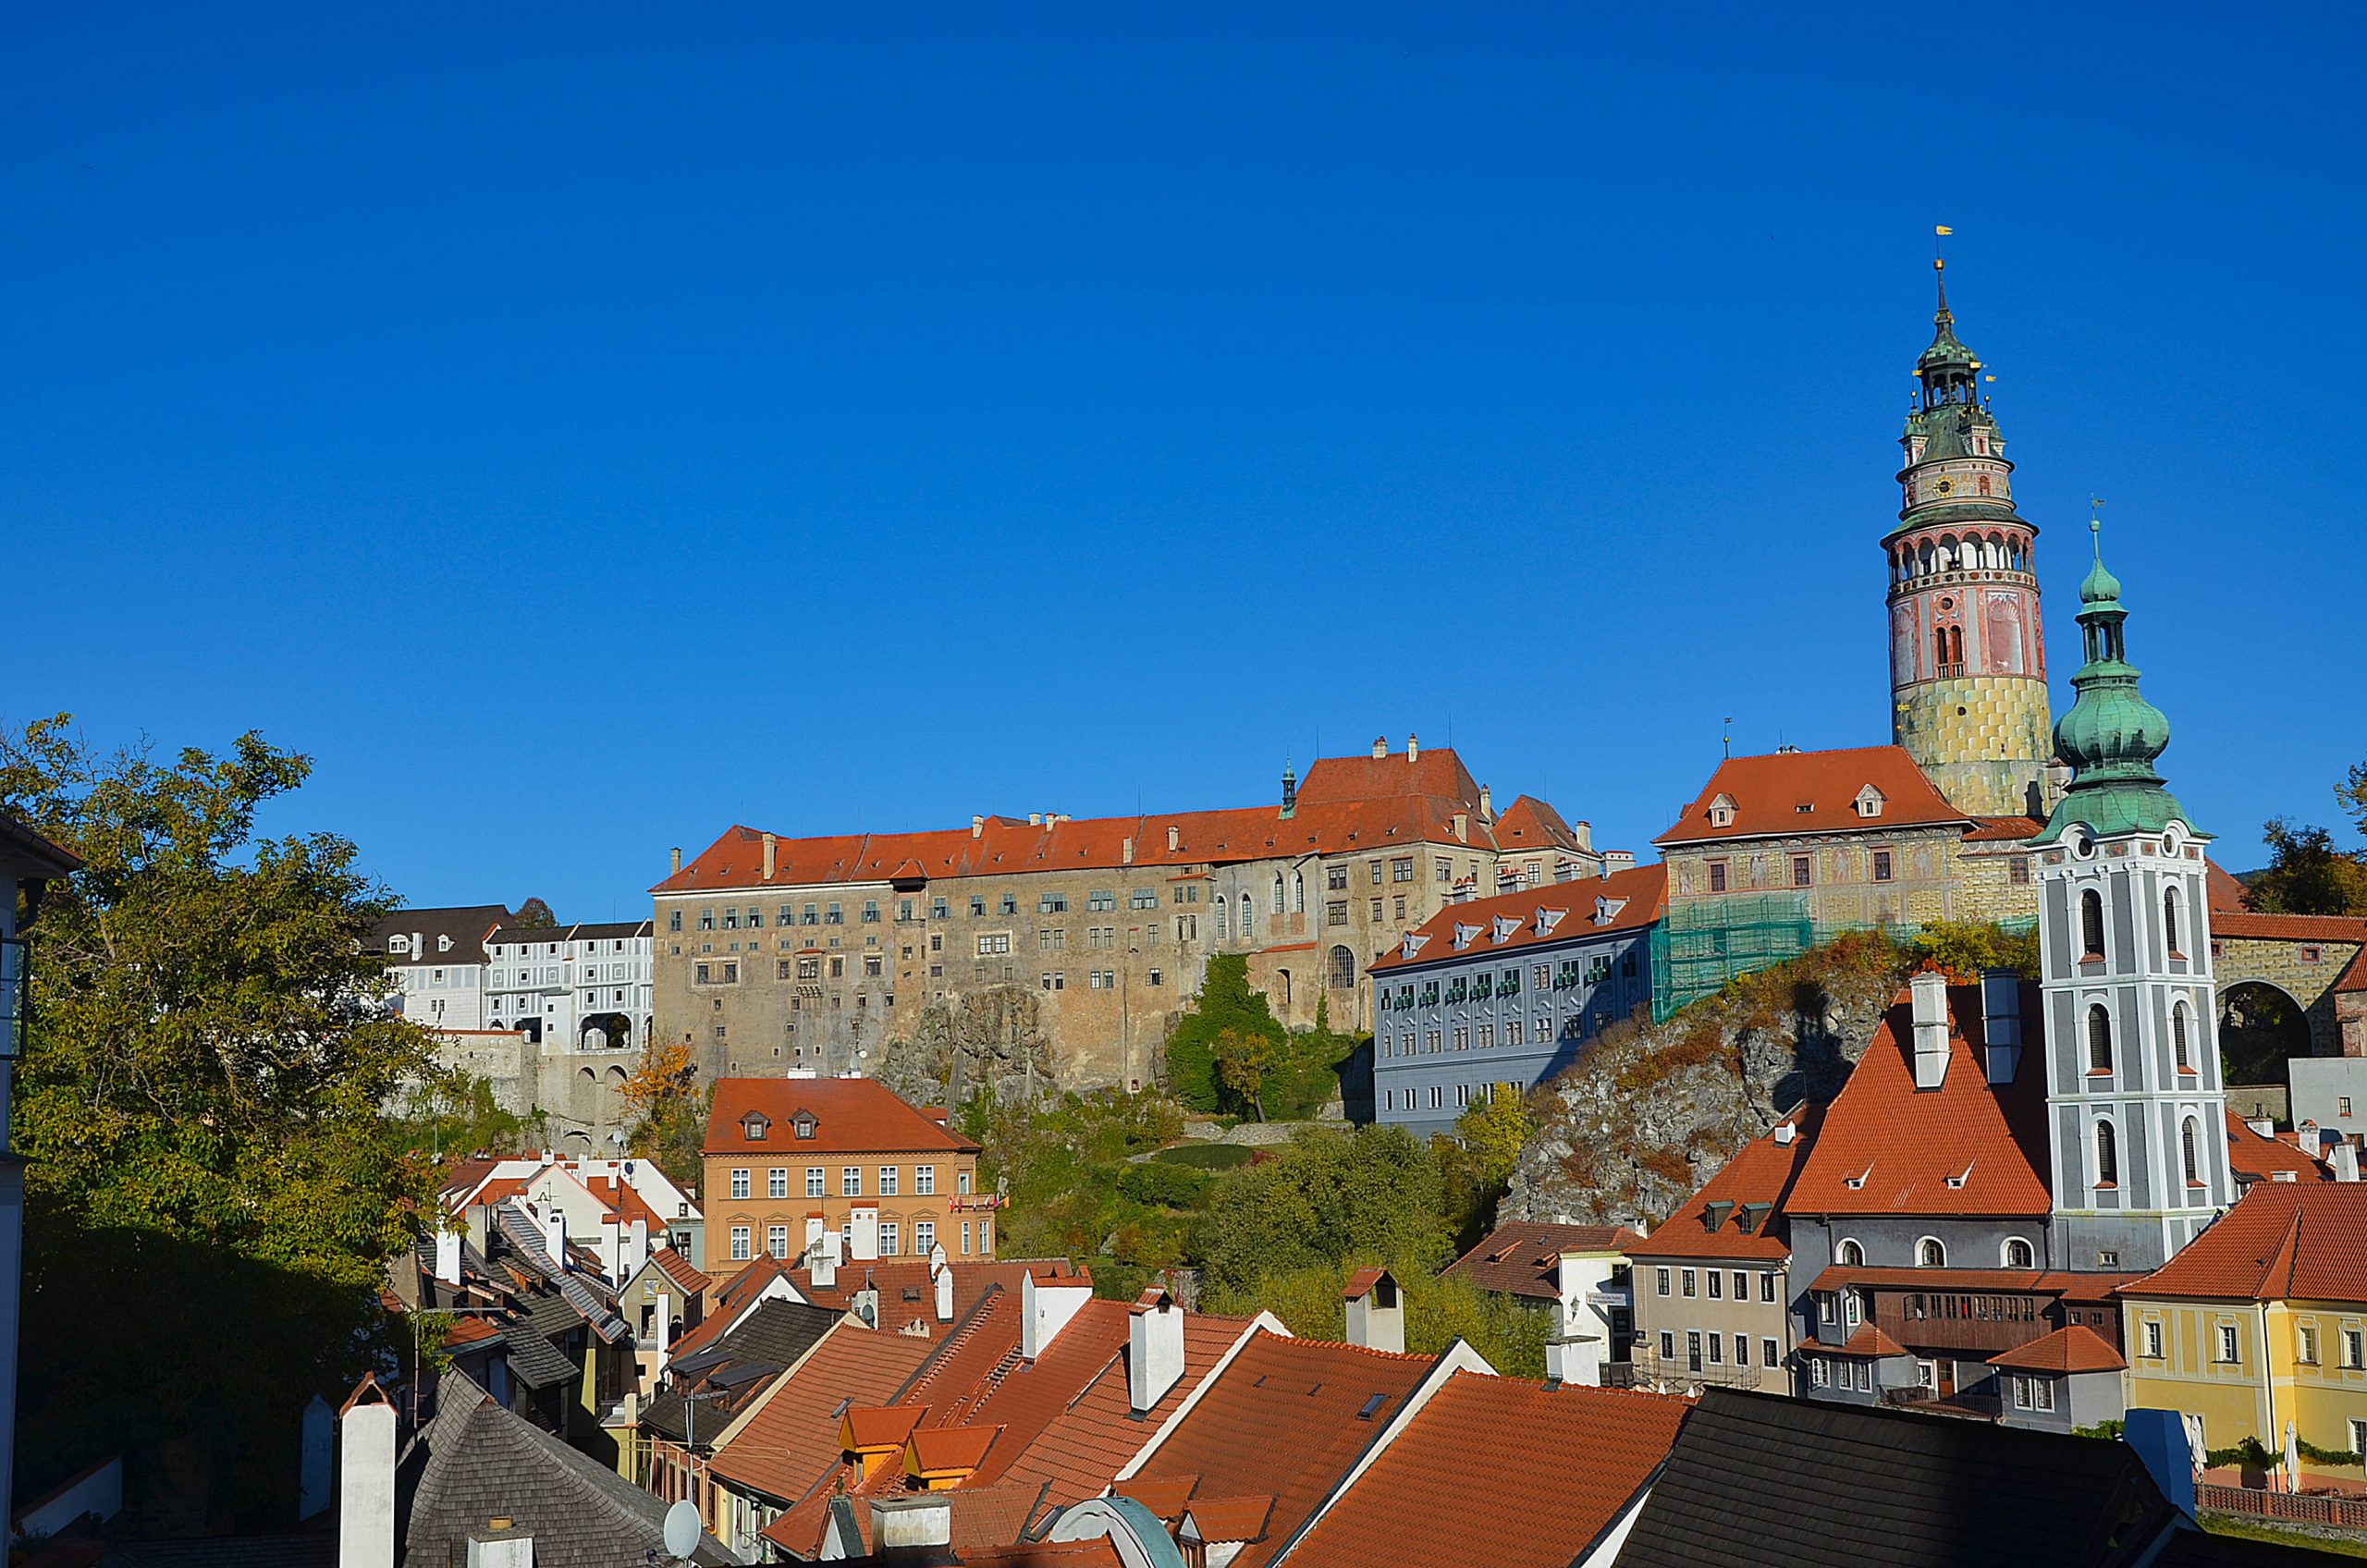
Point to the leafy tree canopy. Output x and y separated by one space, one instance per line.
212 1193
2306 873
1227 1003
535 915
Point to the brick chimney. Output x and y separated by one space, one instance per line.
678 857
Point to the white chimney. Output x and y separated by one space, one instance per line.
665 1323
365 1522
554 1235
1154 1349
1126 849
909 1521
1487 805
1045 1308
1618 860
2344 1159
1413 748
1174 838
943 1278
636 1250
977 825
2000 1023
1929 991
825 1264
1380 745
501 1548
1462 827
864 1245
772 857
1376 1311
1785 1133
447 1258
2265 1126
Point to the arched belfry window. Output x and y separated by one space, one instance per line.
2170 919
2092 924
2099 1039
2181 1041
2190 1151
2107 1156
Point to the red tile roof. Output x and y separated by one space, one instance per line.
1529 824
1283 1419
1640 894
938 1451
1868 1341
981 1521
1546 1469
908 1291
2031 1282
1216 1519
2355 977
2250 1155
2284 1241
2003 830
1166 1497
1097 1435
1762 1172
851 1116
1346 804
1526 1259
865 1429
790 1443
1813 792
1964 1148
1361 1282
2223 889
2289 927
2074 1349
676 1267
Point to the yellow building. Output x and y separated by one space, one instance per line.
2261 1321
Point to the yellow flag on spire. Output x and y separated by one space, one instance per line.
1941 229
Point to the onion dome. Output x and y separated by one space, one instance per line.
2111 737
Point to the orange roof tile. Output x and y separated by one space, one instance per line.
1868 1341
1752 1188
943 1451
678 1268
869 1429
908 1290
2031 1282
1216 1519
1813 792
1288 1416
851 1116
1964 1148
2250 1155
1547 1469
2284 1241
2074 1349
1165 1496
1630 899
2355 977
1530 824
2289 927
2221 886
1361 1282
980 1520
1526 1259
2003 830
790 1443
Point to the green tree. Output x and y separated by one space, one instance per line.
210 1192
2352 794
1227 1001
535 915
1493 1131
1244 1062
1329 1194
2307 874
1966 948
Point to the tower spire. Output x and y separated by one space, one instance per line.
2112 736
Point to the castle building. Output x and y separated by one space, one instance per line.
2134 1097
1064 946
1968 655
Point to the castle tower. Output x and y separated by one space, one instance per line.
2135 1112
1968 661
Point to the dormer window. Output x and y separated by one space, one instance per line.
1856 1183
443 943
1607 910
1722 811
1714 1215
1462 935
1869 802
1504 926
1959 1179
803 1125
1547 919
753 1127
398 944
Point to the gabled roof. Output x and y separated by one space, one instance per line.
2077 1348
1530 824
790 1442
2289 927
1814 793
1214 1520
447 936
1868 1341
1965 1148
1286 1418
1546 1469
940 1451
1755 1479
2284 1241
908 1290
1740 1213
2253 1156
1629 900
851 1116
1525 1259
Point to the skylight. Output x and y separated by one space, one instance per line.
1372 1406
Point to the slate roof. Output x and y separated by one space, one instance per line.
1547 1469
475 1461
466 926
1751 1189
1640 893
1758 1479
2284 1241
1968 1148
1792 792
1286 1418
1526 1259
851 1116
769 1339
533 1360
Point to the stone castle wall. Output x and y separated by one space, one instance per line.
1982 740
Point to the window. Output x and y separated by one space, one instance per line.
2351 1358
2107 1156
2305 1344
2099 1039
739 1183
1009 903
1742 1350
1819 1372
2189 1152
740 1243
1717 1283
777 1240
707 920
1742 1285
2018 870
925 1181
1717 1347
1929 1254
2018 1254
1659 1280
2170 919
965 1238
2092 927
850 1181
888 1240
1668 1345
2228 1344
1717 876
2153 1339
1852 1256
2180 1048
1402 869
1689 1283
833 916
887 1181
1881 866
1335 878
1803 868
1769 1354
1336 912
1767 1293
924 1236
1142 898
777 1183
813 1181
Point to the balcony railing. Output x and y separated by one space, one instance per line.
1678 1373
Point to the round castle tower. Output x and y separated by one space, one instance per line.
1968 657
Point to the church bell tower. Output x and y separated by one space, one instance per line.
1968 661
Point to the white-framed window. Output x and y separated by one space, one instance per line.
1929 1254
887 1181
1689 1283
2305 1343
2227 1347
2016 1254
813 1181
740 1242
925 1180
2153 1337
777 1240
2351 1358
1659 1280
1819 1372
962 1180
850 1181
777 1183
739 1183
924 1237
1850 1256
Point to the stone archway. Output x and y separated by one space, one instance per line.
2261 1027
605 1032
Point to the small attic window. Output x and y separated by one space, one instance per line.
1959 1179
1607 910
398 944
1413 943
443 944
1372 1406
803 1126
1722 811
1547 919
1714 1215
753 1126
1858 1181
1462 935
1869 802
1505 925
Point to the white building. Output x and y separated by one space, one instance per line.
577 987
436 957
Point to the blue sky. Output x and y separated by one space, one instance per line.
581 428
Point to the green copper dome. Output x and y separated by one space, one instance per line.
2113 736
